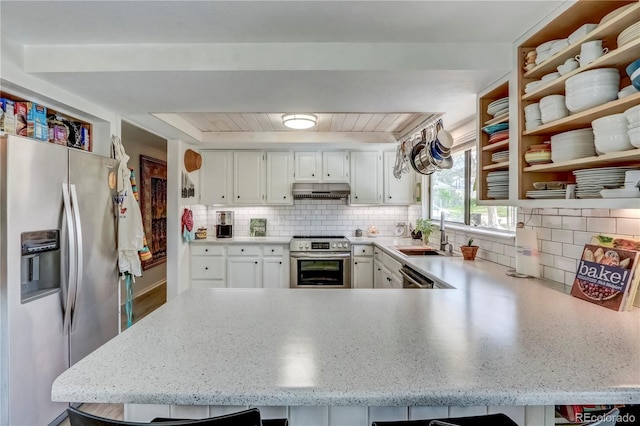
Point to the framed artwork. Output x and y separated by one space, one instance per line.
153 205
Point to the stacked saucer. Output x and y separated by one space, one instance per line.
547 193
500 156
498 185
589 182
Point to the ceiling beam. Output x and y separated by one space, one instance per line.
298 137
267 56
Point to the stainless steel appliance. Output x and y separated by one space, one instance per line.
58 270
320 262
224 224
414 279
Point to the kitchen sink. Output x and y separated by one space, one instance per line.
421 251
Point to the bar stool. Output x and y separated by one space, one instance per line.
250 417
487 420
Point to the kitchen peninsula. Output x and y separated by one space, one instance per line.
353 356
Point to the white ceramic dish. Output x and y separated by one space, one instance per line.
581 32
609 16
532 112
550 77
620 193
613 120
634 137
589 98
627 91
633 114
614 142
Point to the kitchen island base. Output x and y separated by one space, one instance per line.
539 415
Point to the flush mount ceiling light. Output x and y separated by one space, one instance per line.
299 121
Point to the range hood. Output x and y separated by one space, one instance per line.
320 191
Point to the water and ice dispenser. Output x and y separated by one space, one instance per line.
40 264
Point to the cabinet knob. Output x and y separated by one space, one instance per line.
206 250
313 174
238 196
280 263
379 269
223 196
328 174
356 197
363 250
256 262
272 250
389 196
241 249
206 268
284 196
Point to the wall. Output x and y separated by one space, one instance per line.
136 143
323 217
562 234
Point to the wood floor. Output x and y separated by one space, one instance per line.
142 306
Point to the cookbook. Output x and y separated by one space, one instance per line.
607 276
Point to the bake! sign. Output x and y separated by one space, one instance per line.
605 276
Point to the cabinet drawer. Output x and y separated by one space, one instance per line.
273 250
390 263
207 268
244 251
362 250
207 284
207 250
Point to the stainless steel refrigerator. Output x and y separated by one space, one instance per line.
58 268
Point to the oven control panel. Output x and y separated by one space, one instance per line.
315 245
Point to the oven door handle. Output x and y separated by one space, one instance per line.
326 256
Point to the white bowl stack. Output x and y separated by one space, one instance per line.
572 145
632 116
611 133
532 116
550 48
552 108
498 107
591 88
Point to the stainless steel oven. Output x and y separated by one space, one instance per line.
320 262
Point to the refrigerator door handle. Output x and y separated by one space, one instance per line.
79 261
73 270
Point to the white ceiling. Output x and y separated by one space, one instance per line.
139 57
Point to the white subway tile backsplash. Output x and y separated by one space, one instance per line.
574 223
561 236
573 251
570 212
553 274
565 263
549 221
596 212
581 238
603 225
631 213
627 226
552 248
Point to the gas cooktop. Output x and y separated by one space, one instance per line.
319 243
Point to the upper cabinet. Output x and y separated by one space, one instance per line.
216 177
565 103
279 177
248 177
397 191
335 166
327 166
366 178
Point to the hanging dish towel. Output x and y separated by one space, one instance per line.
187 225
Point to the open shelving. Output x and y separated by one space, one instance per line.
582 12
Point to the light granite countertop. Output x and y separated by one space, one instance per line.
493 340
243 240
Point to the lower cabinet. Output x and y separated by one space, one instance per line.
239 266
362 266
377 274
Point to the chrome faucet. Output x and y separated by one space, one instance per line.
444 239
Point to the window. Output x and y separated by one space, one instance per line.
453 192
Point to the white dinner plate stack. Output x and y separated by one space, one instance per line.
589 182
628 35
500 156
631 178
498 107
572 145
550 48
547 193
498 185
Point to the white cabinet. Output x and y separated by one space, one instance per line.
366 178
377 274
335 166
362 266
216 177
279 177
207 266
329 166
239 265
308 166
248 177
397 191
244 272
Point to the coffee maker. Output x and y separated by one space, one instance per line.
224 224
